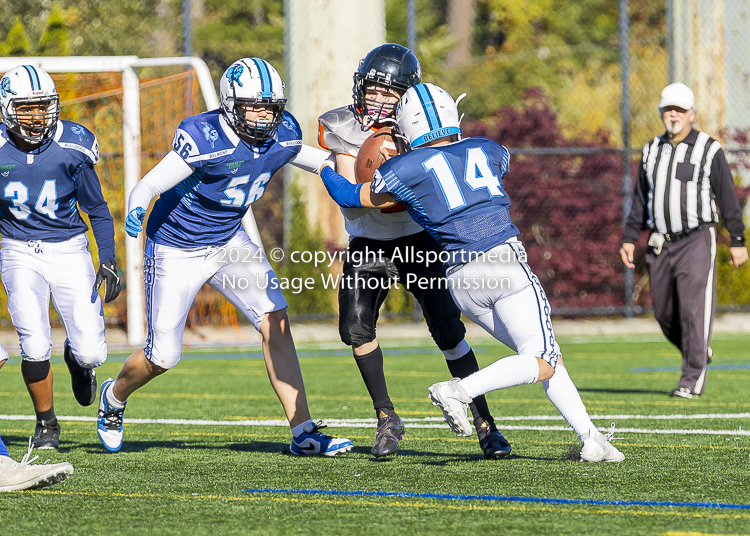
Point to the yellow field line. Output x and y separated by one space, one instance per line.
676 533
405 504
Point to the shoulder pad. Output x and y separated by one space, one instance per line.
201 137
75 137
289 133
340 132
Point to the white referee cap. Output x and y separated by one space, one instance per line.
677 94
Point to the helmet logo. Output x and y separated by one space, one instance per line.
209 133
5 87
234 73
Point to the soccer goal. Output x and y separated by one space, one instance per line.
134 120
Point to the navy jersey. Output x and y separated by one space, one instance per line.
455 192
206 209
42 189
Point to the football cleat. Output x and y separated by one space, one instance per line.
684 392
314 443
82 379
46 436
596 448
493 443
454 401
390 431
15 476
109 424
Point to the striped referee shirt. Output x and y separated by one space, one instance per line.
679 188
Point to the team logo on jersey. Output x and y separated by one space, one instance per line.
234 166
209 133
288 124
78 131
234 73
5 87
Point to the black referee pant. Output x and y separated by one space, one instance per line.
683 288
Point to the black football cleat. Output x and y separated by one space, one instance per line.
493 444
46 436
390 431
82 379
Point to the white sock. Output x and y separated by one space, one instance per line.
563 394
302 428
111 400
506 372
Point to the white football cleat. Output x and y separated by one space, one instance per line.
15 476
596 448
313 442
109 424
454 401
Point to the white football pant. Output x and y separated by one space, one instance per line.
239 271
34 270
510 303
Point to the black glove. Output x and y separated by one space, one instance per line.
108 273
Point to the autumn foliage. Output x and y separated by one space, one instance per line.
568 207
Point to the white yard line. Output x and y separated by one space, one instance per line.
437 422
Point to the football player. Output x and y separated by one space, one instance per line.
219 164
453 189
46 175
383 237
15 476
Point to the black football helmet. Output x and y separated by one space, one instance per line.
389 65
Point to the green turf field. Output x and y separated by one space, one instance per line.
194 478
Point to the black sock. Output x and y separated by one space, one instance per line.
371 368
47 416
465 366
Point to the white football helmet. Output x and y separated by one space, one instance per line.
252 82
29 85
427 112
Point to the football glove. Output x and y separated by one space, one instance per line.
107 274
134 221
329 162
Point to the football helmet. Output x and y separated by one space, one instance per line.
427 112
252 82
27 85
390 65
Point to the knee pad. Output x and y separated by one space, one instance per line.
36 347
448 335
91 357
35 371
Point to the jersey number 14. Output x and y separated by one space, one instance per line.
477 175
46 201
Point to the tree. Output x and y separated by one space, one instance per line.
54 40
568 208
17 41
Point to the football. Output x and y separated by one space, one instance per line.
371 157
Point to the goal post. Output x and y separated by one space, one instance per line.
131 171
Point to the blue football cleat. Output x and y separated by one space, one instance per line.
315 443
109 424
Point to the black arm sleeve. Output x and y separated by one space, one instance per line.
636 219
722 185
91 201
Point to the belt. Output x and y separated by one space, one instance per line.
676 237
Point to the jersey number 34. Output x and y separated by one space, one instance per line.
46 201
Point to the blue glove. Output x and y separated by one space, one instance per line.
134 221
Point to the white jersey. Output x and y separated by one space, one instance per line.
341 133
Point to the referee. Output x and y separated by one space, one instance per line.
683 177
